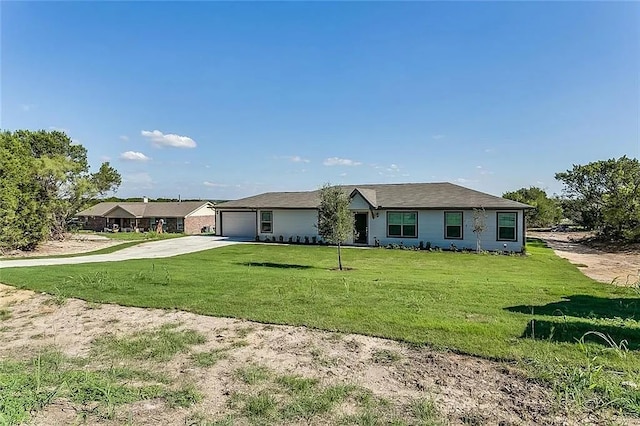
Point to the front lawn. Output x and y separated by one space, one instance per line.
139 236
532 309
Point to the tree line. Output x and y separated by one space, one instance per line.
44 181
603 196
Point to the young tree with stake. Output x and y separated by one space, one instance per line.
335 220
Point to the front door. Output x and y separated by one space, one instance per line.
360 236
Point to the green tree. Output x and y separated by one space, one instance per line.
607 195
22 224
335 221
546 212
59 181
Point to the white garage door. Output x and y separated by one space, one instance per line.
239 224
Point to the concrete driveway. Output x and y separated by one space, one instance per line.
150 250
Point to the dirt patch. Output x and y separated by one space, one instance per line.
72 245
461 387
11 295
617 265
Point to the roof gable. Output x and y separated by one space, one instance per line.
125 210
369 196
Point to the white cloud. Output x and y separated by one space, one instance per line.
298 159
488 150
27 107
292 158
59 129
159 139
464 180
134 156
335 161
214 185
105 158
343 174
124 138
393 170
437 137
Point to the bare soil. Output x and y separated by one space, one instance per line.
464 388
619 265
76 243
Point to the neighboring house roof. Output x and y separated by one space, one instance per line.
385 196
151 209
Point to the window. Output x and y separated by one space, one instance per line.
402 224
453 225
266 221
507 226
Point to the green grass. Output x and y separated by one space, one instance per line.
292 399
385 356
5 314
208 359
529 308
140 236
426 412
30 385
252 374
157 345
272 399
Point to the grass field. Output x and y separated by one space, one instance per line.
534 309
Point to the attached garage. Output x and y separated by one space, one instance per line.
238 224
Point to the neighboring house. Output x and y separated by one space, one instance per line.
437 213
190 217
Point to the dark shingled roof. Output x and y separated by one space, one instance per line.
141 209
441 195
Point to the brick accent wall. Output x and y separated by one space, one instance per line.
95 223
194 224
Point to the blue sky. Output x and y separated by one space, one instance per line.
224 100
